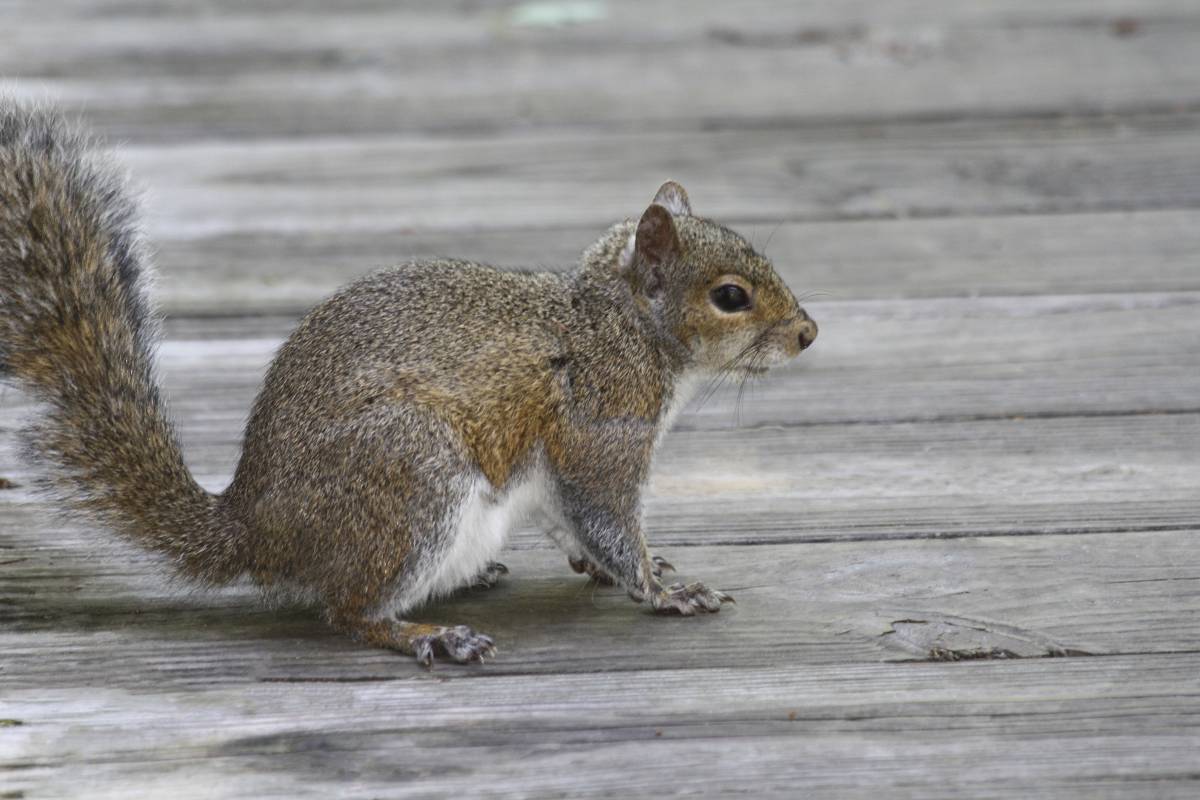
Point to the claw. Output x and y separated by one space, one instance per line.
459 643
490 575
423 651
661 565
583 566
687 600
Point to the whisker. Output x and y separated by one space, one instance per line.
752 353
715 386
711 387
737 404
778 225
749 378
811 295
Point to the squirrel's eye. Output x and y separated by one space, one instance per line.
729 297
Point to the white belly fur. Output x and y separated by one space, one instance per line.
479 528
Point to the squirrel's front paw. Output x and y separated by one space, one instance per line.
687 600
490 575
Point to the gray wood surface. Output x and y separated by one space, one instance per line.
147 70
962 530
550 178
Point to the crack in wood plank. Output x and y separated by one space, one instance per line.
946 637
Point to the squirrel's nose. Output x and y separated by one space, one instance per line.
808 332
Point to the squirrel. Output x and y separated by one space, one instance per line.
410 420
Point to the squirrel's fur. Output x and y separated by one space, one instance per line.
407 423
77 330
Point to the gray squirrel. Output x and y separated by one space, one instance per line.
409 422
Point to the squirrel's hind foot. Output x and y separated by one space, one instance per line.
424 642
459 643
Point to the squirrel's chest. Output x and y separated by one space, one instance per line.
487 515
685 389
482 521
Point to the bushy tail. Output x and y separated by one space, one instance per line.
77 332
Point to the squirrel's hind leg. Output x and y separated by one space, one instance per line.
369 524
420 640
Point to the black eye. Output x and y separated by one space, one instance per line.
730 297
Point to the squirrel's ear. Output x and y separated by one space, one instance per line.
673 198
656 240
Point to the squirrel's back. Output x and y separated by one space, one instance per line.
475 345
445 319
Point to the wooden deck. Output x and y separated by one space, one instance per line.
962 531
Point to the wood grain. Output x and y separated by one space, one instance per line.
196 70
797 604
1025 728
540 179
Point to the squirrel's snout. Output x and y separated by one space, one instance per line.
806 331
798 334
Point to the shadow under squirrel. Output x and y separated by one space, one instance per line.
409 422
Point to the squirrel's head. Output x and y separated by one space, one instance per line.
709 288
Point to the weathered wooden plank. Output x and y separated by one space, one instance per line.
455 21
848 732
76 612
1127 252
234 69
1113 727
578 178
